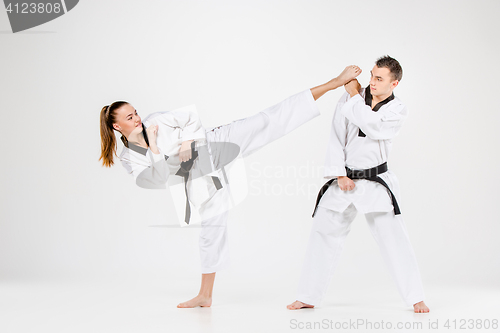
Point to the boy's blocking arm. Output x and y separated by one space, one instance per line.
382 125
335 156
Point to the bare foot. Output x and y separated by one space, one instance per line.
420 307
349 73
298 305
197 301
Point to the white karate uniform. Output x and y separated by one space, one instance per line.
337 208
249 134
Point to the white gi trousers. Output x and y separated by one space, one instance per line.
329 231
250 134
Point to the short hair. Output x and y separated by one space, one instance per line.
393 66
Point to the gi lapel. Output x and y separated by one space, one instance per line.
368 101
137 154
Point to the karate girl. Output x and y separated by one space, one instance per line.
175 143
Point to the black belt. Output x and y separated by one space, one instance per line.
369 174
184 172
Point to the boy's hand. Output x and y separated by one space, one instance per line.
352 87
345 183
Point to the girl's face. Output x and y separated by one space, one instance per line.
127 120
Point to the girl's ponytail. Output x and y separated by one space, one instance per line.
108 139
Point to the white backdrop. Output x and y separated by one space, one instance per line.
64 215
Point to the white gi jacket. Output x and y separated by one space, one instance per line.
347 147
152 170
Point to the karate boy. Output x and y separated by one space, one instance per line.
364 124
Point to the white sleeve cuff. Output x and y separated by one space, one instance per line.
155 157
314 106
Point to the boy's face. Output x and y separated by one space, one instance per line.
381 82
